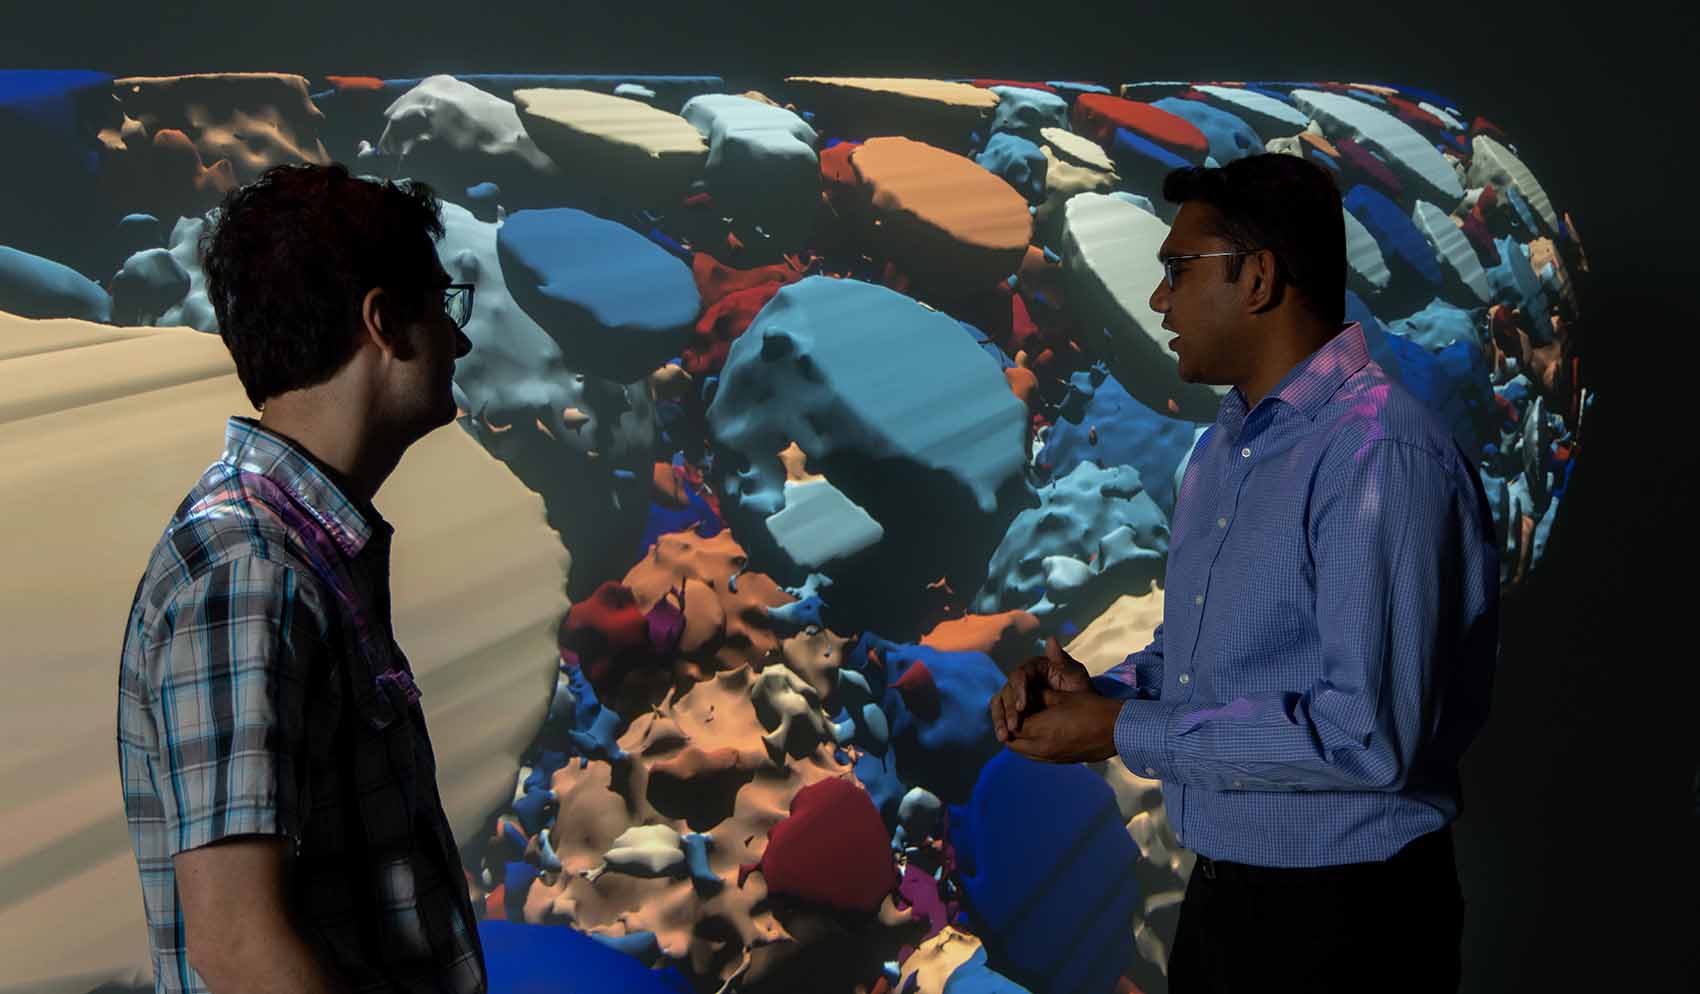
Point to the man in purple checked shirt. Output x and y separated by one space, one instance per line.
1330 621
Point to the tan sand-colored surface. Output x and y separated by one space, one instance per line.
102 431
613 146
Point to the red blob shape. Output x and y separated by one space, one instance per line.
371 83
1483 126
1412 114
835 164
1098 115
721 324
715 279
831 849
1359 159
603 626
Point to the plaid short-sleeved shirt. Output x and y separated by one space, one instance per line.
250 703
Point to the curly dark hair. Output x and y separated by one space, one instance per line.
1279 202
289 257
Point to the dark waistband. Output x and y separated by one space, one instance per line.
1424 852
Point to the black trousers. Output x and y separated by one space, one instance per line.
1385 926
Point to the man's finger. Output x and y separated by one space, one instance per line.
1024 675
1011 713
1053 697
998 727
1054 651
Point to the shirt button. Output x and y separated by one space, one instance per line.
1150 772
1246 452
1186 677
1221 522
1198 598
1238 784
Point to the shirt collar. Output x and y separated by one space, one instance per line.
249 445
1308 385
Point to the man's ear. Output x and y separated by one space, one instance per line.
379 324
1265 287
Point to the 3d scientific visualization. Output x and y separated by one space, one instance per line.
797 416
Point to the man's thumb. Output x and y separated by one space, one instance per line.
1054 651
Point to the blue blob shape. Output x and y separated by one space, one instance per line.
641 946
1455 383
797 615
1098 421
1024 110
664 520
1425 96
671 244
517 877
1322 159
1230 137
940 741
987 345
137 232
975 977
554 959
530 807
696 847
617 305
1018 161
1402 245
33 287
1052 898
543 769
151 282
1513 282
1525 213
595 730
1367 96
1274 94
1437 326
1136 155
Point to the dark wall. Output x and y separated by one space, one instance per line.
1579 837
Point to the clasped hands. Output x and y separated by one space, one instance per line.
1048 711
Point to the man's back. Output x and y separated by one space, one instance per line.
261 692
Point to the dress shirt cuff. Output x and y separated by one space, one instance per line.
1109 686
1142 738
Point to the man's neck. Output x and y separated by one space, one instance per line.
345 451
1286 351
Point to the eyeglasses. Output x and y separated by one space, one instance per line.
457 303
1169 261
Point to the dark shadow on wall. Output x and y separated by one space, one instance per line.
1577 844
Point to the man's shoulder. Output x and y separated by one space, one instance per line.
218 524
1371 407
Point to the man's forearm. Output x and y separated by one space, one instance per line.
280 962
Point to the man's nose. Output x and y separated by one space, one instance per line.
1160 297
463 344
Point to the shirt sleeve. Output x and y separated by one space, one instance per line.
1140 675
1389 558
228 678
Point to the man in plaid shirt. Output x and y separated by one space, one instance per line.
278 779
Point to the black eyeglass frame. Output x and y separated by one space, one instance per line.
452 295
1169 269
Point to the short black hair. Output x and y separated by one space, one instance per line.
1283 203
289 257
